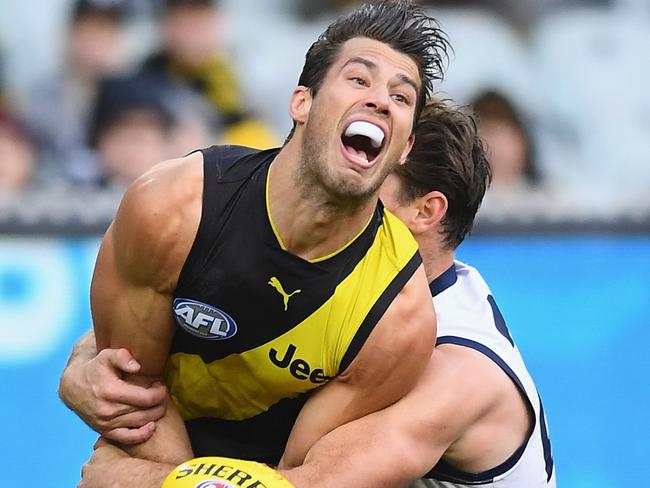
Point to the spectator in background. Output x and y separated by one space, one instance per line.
3 96
193 121
130 128
58 107
138 121
515 176
17 155
510 147
17 152
310 10
521 14
191 54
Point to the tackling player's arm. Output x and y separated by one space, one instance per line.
385 369
403 442
110 467
135 275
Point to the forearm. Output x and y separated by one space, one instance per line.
107 470
323 412
168 444
362 454
143 473
386 449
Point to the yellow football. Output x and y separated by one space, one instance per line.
220 472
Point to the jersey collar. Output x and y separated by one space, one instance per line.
444 281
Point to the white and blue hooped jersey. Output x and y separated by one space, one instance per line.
468 316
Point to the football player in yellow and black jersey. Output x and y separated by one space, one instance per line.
250 279
437 194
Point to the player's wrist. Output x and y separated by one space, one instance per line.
66 391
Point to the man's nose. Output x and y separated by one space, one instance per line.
379 101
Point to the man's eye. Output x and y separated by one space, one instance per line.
358 81
400 98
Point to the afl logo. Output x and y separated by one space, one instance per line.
213 484
204 321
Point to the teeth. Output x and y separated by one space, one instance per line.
371 131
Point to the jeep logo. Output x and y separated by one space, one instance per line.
204 321
299 368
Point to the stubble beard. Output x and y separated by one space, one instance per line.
318 183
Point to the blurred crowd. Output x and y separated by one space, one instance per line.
99 121
557 86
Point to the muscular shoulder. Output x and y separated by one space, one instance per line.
439 402
409 323
158 218
172 187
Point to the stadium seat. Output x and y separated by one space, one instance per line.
270 47
487 53
592 62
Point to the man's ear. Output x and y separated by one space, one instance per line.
432 208
407 149
300 104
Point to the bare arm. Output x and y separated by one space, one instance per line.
135 275
459 392
110 466
385 369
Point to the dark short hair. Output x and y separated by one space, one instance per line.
448 156
115 10
120 95
494 106
399 23
168 5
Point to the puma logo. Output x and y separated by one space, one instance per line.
275 283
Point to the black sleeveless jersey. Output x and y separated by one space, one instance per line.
259 327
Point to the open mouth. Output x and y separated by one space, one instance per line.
363 141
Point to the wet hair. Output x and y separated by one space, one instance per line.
400 24
448 156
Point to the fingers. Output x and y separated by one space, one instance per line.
117 408
136 418
128 436
104 457
119 359
118 396
107 410
114 416
122 405
106 377
138 396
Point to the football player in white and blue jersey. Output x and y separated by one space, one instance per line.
475 418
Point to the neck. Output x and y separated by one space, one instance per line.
436 258
309 222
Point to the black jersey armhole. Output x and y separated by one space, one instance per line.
378 309
217 160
